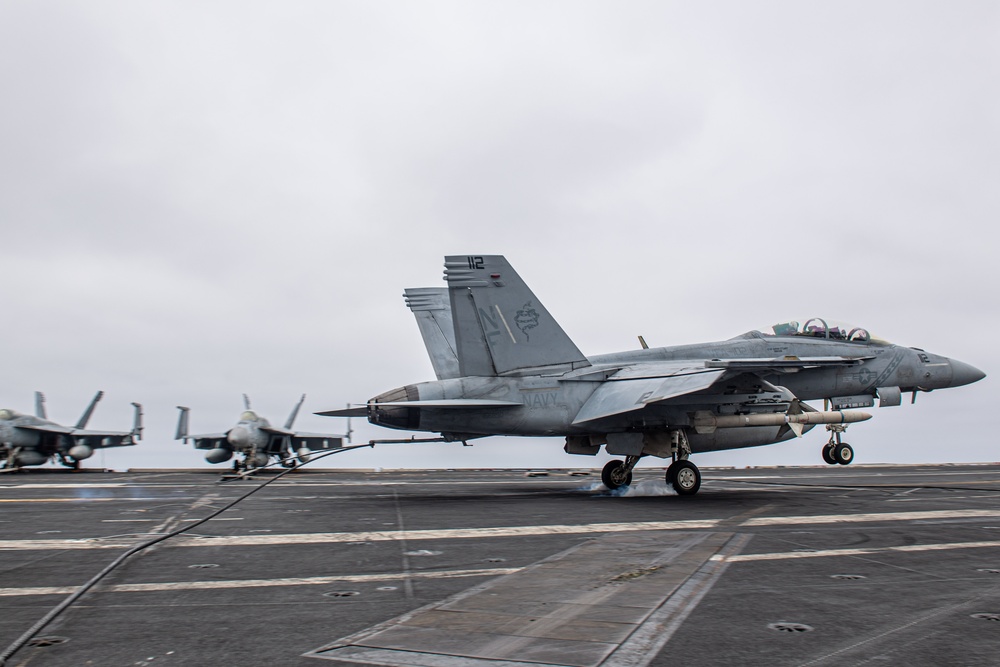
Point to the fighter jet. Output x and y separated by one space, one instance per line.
258 441
27 440
519 374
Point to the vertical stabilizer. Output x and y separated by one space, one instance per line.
182 423
40 405
85 417
500 325
295 412
432 310
137 421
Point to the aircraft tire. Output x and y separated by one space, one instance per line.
843 453
614 475
671 473
828 454
685 477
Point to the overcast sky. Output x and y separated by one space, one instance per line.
201 199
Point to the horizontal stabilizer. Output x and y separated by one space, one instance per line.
460 403
347 412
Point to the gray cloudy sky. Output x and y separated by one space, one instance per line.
200 199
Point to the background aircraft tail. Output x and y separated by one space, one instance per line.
137 421
182 423
295 413
432 310
85 417
40 405
500 325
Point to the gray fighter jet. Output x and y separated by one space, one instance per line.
518 373
258 441
27 440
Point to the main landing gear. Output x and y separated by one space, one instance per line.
684 476
617 474
835 451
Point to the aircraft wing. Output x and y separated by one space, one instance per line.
47 428
208 440
439 404
207 436
616 396
90 433
276 430
783 364
96 439
317 441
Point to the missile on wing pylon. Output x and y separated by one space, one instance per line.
705 422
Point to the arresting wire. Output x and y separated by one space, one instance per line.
68 602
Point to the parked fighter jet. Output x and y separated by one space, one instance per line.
27 440
255 438
520 374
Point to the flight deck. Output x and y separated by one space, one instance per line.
820 566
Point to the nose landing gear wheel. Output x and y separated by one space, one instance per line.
843 453
616 475
828 454
685 477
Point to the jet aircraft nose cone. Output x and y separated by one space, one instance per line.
238 437
963 373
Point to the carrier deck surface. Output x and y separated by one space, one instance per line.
777 566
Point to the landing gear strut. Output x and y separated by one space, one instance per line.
619 473
835 451
9 461
69 462
683 475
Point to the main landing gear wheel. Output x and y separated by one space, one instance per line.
843 453
828 454
685 477
616 475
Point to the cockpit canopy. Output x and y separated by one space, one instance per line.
7 415
249 416
817 327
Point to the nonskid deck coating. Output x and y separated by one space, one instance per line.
915 549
